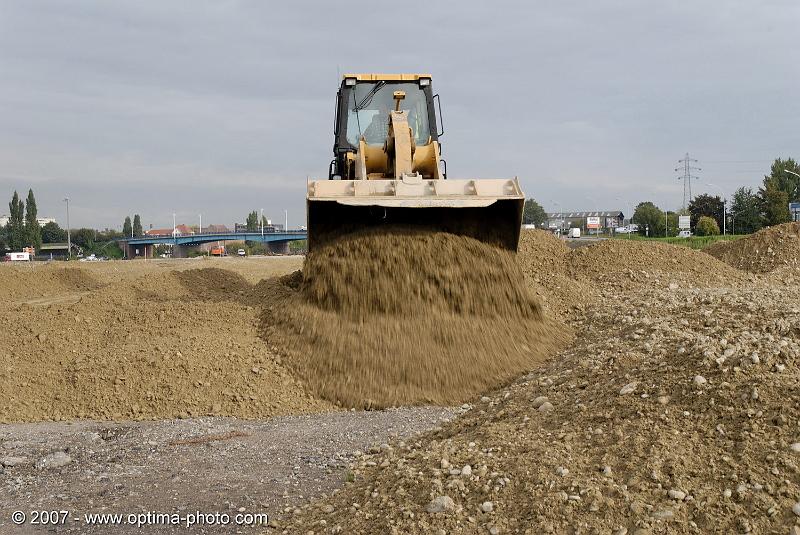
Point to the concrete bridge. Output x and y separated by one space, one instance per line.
142 246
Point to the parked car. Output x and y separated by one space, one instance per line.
241 252
685 234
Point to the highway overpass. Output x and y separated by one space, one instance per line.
142 246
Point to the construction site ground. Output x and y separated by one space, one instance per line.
149 386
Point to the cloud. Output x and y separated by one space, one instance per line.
224 107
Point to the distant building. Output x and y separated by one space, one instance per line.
41 220
215 229
564 220
159 232
179 230
53 250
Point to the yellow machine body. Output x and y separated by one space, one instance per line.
390 171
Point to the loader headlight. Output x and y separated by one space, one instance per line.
424 81
349 81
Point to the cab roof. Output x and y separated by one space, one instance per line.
373 77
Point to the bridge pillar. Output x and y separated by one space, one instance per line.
136 251
179 251
278 247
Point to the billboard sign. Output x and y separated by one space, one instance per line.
592 222
684 222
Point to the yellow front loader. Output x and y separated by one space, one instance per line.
388 169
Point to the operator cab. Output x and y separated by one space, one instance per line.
363 106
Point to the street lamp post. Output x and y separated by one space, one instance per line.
723 205
262 222
201 222
630 218
560 222
286 221
630 221
69 239
594 202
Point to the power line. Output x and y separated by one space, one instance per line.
687 177
738 161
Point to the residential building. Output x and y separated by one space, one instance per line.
608 219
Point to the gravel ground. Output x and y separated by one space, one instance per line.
209 465
675 411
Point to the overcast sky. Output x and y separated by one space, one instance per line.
218 108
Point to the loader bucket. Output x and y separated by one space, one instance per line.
489 210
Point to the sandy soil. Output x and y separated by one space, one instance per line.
141 340
675 410
381 319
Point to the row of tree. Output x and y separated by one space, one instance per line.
132 229
22 229
747 212
252 222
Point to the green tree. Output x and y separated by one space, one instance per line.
252 221
783 180
533 213
137 226
707 226
16 223
83 238
52 233
127 229
745 212
649 218
774 202
706 205
33 232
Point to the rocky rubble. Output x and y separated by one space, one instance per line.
675 411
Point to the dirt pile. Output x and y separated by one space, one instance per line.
674 412
149 343
609 259
764 251
383 318
543 258
405 272
28 281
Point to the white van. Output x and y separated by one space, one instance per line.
574 233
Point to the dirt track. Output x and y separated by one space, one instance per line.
208 465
